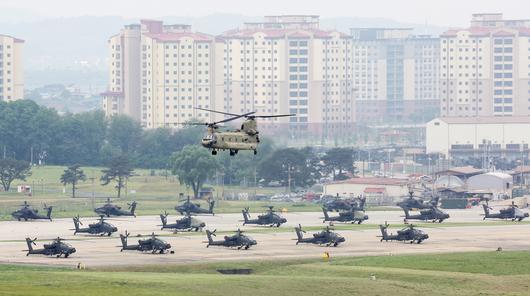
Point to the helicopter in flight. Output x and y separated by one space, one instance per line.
409 233
189 207
110 209
270 218
187 223
245 138
101 227
152 244
512 212
28 213
326 237
350 216
57 248
238 240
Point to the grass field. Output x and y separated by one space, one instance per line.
153 192
487 273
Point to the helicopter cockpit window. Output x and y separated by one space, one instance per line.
208 137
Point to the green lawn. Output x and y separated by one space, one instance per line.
485 273
154 193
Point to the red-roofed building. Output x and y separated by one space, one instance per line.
376 190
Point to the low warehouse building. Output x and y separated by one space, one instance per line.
376 190
498 184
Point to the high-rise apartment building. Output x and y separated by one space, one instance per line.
395 74
11 72
485 69
287 64
160 73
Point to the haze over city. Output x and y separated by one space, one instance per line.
264 147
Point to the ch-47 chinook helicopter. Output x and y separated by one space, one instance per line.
152 244
512 212
101 227
245 138
57 248
409 233
28 213
238 240
270 218
187 223
326 237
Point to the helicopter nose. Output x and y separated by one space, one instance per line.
114 229
168 246
365 217
72 250
203 224
284 220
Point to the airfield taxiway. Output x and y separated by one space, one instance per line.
464 231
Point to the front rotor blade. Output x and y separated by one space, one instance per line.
234 118
225 113
272 116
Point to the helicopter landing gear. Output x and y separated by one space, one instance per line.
255 152
214 152
233 152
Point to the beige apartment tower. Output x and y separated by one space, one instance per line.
485 69
11 71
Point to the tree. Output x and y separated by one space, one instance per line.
12 169
124 133
119 170
301 165
193 165
72 175
337 161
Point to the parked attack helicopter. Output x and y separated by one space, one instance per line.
28 213
101 227
270 218
245 138
431 214
350 216
512 212
338 204
110 209
152 244
57 248
238 240
187 223
409 233
194 208
411 202
326 237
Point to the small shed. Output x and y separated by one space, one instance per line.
498 184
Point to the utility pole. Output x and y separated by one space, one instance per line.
522 166
289 180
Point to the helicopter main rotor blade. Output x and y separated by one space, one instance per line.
272 116
234 118
214 111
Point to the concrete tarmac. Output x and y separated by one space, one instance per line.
95 251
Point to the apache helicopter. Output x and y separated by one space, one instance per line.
110 209
270 218
194 208
346 216
326 237
152 244
245 138
431 214
27 213
238 240
410 202
345 205
406 234
57 248
187 223
512 212
101 227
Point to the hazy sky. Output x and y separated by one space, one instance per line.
435 12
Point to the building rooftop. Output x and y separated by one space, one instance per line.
14 38
466 170
373 181
485 119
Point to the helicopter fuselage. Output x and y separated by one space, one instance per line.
230 140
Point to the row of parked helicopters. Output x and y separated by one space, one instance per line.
349 211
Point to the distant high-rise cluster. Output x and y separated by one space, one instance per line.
330 80
485 69
11 72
